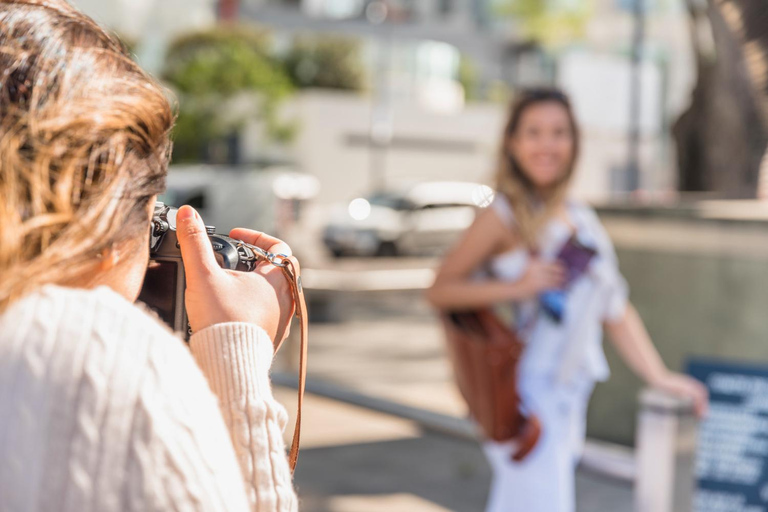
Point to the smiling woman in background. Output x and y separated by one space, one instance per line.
519 237
102 407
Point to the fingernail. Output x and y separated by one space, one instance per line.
186 213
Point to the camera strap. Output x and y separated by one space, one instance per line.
293 274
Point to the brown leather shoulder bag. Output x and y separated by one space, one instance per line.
485 354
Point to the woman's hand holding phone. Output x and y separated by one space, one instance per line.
214 295
541 276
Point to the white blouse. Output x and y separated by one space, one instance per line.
570 351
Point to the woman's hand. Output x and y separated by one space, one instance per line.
214 295
541 276
633 343
685 387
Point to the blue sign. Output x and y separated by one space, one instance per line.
732 456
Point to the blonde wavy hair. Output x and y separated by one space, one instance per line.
532 211
84 145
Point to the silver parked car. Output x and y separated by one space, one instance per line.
422 219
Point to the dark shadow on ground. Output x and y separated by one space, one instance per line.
446 471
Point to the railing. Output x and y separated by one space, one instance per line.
665 453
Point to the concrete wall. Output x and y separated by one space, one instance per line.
136 18
150 23
332 145
700 284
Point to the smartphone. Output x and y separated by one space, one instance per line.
575 257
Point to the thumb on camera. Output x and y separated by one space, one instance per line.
196 249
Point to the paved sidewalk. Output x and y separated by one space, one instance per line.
400 359
355 460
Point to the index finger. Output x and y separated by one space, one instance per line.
261 240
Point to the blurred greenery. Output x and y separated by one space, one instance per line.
549 22
331 62
499 92
225 77
468 78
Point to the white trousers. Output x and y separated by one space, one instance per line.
544 481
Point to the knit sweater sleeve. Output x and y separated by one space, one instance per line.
103 408
235 359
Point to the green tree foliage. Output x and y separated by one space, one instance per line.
329 62
468 78
209 70
549 22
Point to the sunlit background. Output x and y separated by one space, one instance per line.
365 132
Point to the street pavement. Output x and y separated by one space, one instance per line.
389 346
356 460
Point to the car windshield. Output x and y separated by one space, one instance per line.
390 200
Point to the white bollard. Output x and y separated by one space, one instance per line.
666 453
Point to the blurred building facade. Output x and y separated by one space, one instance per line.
149 25
413 120
465 27
414 58
598 74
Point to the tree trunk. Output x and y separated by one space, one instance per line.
722 138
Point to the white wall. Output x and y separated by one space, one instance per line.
334 127
329 120
599 87
152 23
669 76
135 17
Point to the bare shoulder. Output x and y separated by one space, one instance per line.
488 235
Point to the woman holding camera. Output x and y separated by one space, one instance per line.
519 238
103 408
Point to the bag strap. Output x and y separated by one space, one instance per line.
526 327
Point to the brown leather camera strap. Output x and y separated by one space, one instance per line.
293 274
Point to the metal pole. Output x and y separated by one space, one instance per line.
636 94
380 135
666 453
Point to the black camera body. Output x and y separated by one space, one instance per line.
165 280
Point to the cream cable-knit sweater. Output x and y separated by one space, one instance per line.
102 408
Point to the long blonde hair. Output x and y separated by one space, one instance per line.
532 212
84 145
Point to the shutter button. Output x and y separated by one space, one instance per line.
211 230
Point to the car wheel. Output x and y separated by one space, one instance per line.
387 249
